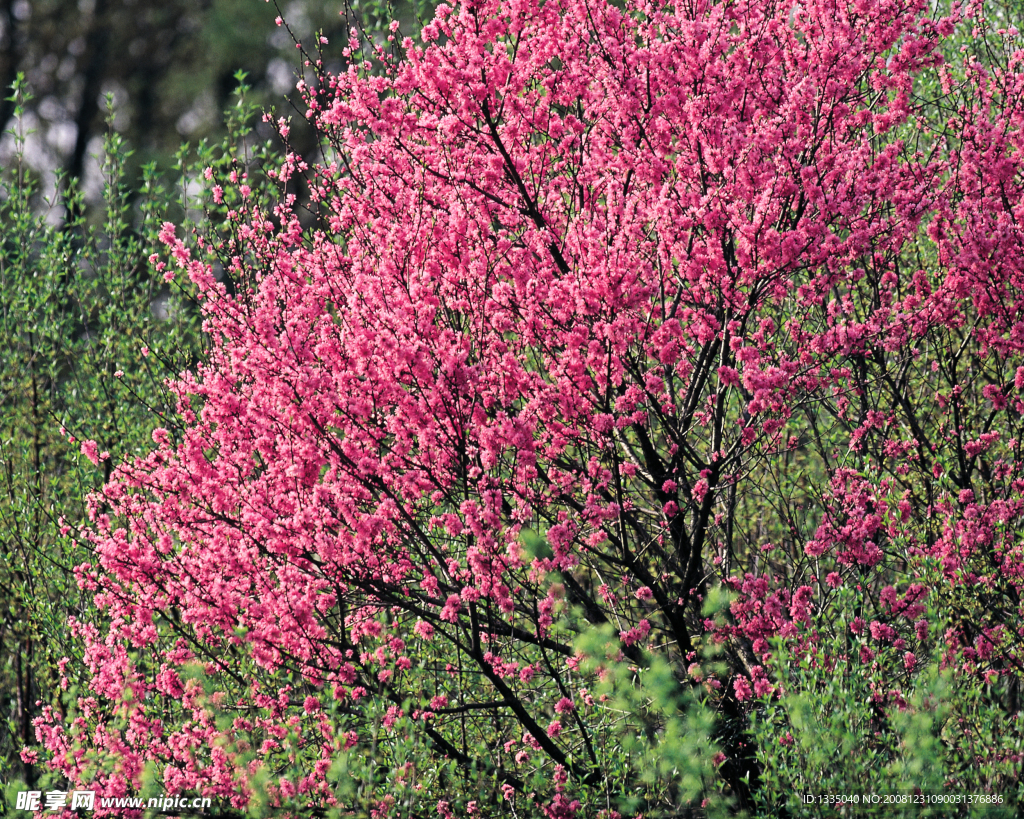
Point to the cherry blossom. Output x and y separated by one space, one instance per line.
604 307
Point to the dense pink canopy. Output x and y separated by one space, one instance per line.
708 294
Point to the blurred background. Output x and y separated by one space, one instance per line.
170 66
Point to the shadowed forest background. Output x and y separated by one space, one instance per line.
171 69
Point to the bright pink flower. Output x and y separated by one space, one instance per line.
881 631
91 451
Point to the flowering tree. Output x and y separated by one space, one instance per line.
606 309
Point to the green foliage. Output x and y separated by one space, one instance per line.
90 332
655 751
913 734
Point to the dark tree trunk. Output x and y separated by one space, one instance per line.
95 70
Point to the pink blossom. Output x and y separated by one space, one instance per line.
91 451
881 631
